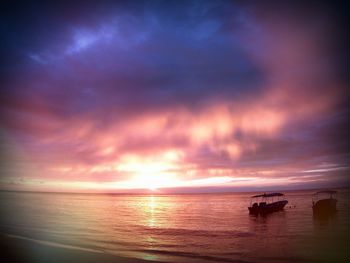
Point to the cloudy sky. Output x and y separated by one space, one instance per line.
192 95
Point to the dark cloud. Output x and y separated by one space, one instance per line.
137 56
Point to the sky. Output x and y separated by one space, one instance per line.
171 96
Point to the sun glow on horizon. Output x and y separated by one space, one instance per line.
151 172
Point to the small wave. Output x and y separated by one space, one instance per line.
191 232
189 255
110 242
54 244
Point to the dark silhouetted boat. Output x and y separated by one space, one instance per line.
267 203
324 203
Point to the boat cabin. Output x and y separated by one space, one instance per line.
266 203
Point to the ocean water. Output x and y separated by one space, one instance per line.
180 228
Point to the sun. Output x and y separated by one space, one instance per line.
154 181
150 172
152 188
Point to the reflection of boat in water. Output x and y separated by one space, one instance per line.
323 202
267 203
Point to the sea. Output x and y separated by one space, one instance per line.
179 228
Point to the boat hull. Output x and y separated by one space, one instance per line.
325 206
264 208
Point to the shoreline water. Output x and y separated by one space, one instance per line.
22 249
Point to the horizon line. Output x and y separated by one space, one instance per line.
169 193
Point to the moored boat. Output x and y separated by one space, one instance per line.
324 203
267 203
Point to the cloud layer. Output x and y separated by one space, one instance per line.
184 94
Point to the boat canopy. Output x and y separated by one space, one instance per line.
326 192
268 195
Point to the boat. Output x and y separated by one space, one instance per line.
267 203
324 203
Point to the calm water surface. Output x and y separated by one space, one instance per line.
180 228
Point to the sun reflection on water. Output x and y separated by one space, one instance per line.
152 204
